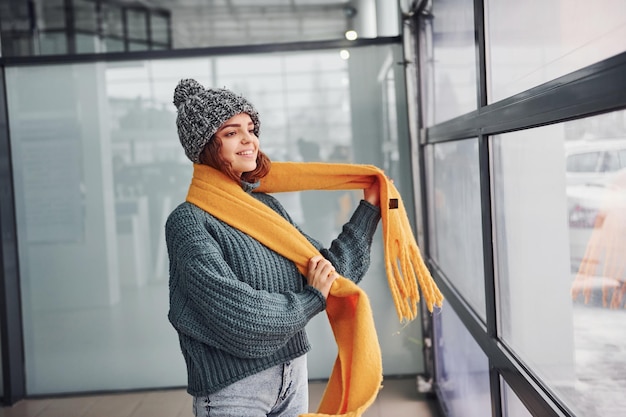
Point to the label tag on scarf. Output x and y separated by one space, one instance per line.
393 203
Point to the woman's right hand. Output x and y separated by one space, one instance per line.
321 274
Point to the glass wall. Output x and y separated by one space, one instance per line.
98 167
455 218
565 36
449 82
560 221
462 368
521 131
512 405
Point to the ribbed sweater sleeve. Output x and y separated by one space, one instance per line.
249 323
250 315
240 307
350 252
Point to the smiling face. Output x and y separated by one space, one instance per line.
239 144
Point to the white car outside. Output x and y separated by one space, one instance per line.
594 161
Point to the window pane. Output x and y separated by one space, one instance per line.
450 87
17 44
159 25
455 229
85 16
462 368
14 17
622 158
53 15
137 46
565 36
113 45
86 44
560 264
113 20
585 162
52 43
93 190
513 406
137 24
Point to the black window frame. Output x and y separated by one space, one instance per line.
593 90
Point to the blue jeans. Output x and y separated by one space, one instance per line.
278 391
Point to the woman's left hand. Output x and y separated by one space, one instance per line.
371 194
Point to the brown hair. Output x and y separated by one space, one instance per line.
211 156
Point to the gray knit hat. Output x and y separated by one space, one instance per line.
202 111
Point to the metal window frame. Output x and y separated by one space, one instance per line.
11 334
70 30
595 89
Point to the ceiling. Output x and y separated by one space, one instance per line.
202 23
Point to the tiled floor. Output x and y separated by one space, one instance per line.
398 398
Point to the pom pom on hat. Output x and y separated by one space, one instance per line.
202 111
185 89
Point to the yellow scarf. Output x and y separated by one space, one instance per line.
357 373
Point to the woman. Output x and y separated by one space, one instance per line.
240 308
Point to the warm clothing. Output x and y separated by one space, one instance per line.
407 274
357 374
201 112
239 307
281 390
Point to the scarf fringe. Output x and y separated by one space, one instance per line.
407 273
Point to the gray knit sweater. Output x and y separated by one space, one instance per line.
239 307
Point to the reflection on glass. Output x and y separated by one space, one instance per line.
159 28
113 20
218 24
138 46
603 256
449 61
137 24
52 43
560 210
86 43
566 36
94 185
85 16
113 45
53 13
455 228
462 368
596 176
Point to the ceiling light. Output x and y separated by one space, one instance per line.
351 35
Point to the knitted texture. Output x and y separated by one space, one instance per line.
202 111
403 261
357 374
239 307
